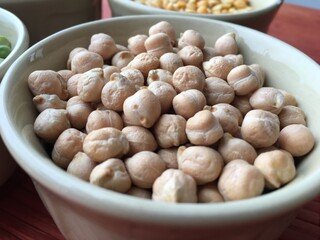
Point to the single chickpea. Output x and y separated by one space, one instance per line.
174 186
260 128
140 139
203 128
157 44
291 114
111 174
159 75
136 43
105 143
191 55
142 108
139 192
164 27
72 85
245 79
144 62
169 130
203 163
226 44
170 61
144 168
122 58
47 82
67 145
116 91
108 70
169 155
209 193
242 103
133 75
188 77
78 112
104 45
240 180
189 102
191 37
236 59
81 166
66 74
50 123
208 53
90 84
277 167
217 67
267 98
289 99
103 118
232 148
121 47
72 53
85 60
44 101
165 92
218 90
297 139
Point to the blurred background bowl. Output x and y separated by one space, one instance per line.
83 211
15 31
258 18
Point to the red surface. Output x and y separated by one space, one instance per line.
23 216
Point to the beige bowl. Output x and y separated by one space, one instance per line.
83 211
259 18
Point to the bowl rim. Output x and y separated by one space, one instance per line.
128 207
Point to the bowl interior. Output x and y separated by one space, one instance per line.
295 74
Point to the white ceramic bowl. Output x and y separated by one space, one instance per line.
259 18
12 28
83 211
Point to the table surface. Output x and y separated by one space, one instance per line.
23 215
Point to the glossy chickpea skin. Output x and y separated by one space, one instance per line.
78 112
103 118
44 101
297 139
157 44
209 193
144 168
169 131
170 61
83 61
105 143
144 62
240 180
174 186
203 163
226 44
81 166
291 115
218 66
103 44
111 174
164 27
277 167
203 128
67 145
218 90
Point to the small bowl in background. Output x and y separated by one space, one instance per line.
258 18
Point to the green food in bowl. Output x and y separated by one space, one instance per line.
5 47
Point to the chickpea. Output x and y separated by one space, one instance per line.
217 67
209 193
144 168
188 77
165 92
136 44
277 167
297 139
260 128
142 108
65 73
84 61
189 102
133 75
121 47
232 148
44 101
240 180
111 174
291 115
169 130
67 145
159 75
122 58
226 44
157 44
170 61
169 155
218 90
164 27
191 37
72 85
78 112
104 45
72 53
47 82
81 166
191 55
242 103
203 163
140 139
50 123
174 186
139 192
108 70
103 118
203 128
90 84
289 99
116 91
236 59
105 143
208 53
144 62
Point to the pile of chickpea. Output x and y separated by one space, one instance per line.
169 119
200 6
